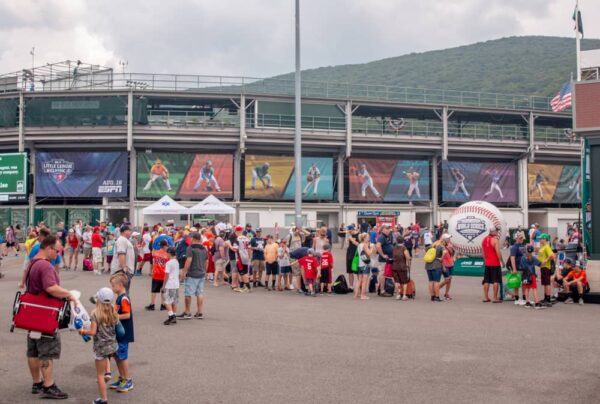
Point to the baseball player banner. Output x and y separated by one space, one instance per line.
273 177
477 181
382 180
554 183
184 175
81 174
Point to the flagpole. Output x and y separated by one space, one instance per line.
577 40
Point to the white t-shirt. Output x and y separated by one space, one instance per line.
243 243
123 246
427 238
87 239
146 239
172 271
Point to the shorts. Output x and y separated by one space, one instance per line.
171 296
349 265
87 251
181 262
559 281
434 275
72 249
147 257
44 348
109 259
194 287
272 268
220 265
97 255
285 270
381 267
492 275
447 272
103 357
546 275
258 266
10 245
325 275
157 285
401 277
533 284
296 271
245 269
122 353
364 270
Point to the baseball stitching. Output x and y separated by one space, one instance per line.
469 249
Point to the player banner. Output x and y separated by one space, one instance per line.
477 181
373 180
81 174
13 176
273 178
184 175
554 183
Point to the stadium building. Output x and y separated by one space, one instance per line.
102 145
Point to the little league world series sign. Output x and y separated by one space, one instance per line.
13 176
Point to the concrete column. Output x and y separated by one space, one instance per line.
242 112
445 117
348 113
524 190
103 211
130 122
531 124
21 123
32 157
434 190
132 185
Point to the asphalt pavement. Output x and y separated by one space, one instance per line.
274 347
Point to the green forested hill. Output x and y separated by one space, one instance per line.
532 65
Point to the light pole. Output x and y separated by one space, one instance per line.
298 131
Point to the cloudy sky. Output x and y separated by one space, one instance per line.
256 37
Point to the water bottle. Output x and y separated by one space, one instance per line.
78 323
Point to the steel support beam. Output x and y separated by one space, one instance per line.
132 185
434 191
130 121
524 190
32 156
21 122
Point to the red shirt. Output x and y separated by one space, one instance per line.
326 260
572 275
490 257
159 259
41 276
73 241
310 265
96 240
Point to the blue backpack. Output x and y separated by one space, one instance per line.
181 248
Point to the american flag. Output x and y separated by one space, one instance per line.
562 100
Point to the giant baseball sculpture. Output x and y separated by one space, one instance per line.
470 223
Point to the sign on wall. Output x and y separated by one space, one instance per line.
13 176
81 174
477 181
554 183
381 180
184 175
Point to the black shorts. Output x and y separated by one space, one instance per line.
272 268
8 245
244 270
44 348
325 275
492 275
349 265
559 281
546 275
156 285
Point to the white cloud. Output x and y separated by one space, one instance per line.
255 37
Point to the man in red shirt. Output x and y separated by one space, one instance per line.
97 243
159 262
492 259
326 268
576 283
310 271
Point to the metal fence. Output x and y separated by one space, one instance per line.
192 119
483 131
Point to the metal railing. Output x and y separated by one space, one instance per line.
485 131
289 122
384 127
555 135
192 119
282 86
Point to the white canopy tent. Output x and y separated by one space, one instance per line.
165 209
211 206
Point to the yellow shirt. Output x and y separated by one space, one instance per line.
271 251
543 255
29 243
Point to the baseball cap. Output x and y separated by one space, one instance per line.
124 228
446 236
351 227
258 229
530 249
96 228
493 229
238 228
545 236
311 251
105 295
568 261
248 225
135 234
71 231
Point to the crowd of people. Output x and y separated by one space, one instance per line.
378 260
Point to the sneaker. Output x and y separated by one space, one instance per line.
150 307
546 304
539 306
185 316
107 376
125 387
246 289
99 401
520 302
163 307
398 297
53 392
581 302
36 388
447 297
436 299
404 298
528 305
569 301
170 320
553 299
117 384
237 290
198 316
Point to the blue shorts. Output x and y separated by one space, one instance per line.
447 272
434 275
364 270
285 270
123 351
194 287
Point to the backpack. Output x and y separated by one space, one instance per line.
430 255
372 284
87 265
389 286
181 248
340 287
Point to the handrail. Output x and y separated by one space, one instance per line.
285 87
